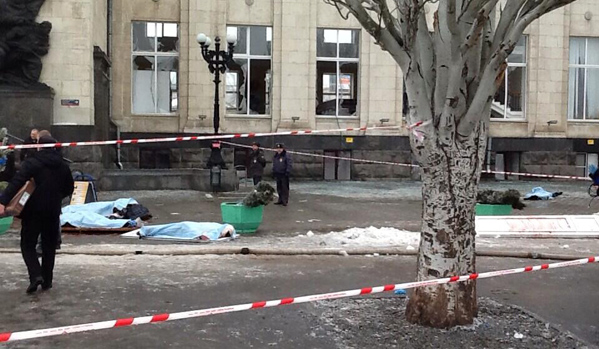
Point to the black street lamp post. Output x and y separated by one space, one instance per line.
217 64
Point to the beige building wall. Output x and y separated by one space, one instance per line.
548 73
100 24
68 67
294 24
78 25
124 13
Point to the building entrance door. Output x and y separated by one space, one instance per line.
337 169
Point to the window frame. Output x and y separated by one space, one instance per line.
156 54
586 68
248 56
337 59
521 115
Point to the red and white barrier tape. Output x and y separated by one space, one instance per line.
410 165
94 326
192 138
325 156
414 128
578 178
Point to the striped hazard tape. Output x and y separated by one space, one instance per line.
367 161
94 326
193 138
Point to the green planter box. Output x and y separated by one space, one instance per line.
246 220
493 210
5 224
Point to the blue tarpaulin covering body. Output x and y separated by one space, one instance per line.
188 231
540 194
94 215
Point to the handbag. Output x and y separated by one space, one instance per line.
18 202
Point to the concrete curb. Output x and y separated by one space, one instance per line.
268 251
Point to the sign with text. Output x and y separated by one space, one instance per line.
80 193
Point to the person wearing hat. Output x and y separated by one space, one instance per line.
41 214
281 170
257 163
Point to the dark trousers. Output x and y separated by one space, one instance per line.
49 229
257 179
283 188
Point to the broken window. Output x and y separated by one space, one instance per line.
337 72
248 80
155 67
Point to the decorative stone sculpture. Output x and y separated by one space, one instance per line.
23 42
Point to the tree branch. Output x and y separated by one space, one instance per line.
531 10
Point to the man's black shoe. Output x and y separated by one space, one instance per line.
34 285
46 286
279 203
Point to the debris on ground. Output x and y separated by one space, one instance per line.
382 324
495 197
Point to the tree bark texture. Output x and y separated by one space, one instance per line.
450 178
452 68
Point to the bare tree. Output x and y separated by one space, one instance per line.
452 69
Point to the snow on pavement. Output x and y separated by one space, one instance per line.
359 237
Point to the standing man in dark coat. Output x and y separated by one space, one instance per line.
41 214
281 170
32 139
257 163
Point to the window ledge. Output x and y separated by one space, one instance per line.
154 115
583 121
250 116
332 117
523 120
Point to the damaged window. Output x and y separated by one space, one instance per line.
337 72
248 80
155 68
584 79
509 100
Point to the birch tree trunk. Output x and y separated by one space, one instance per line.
452 68
450 178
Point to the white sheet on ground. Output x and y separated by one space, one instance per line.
94 215
186 231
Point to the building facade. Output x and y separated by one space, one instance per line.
299 65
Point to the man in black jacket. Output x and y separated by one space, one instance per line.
32 139
41 214
257 163
281 170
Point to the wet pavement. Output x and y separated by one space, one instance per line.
92 288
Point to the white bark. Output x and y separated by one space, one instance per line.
451 76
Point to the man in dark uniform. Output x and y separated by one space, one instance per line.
281 170
257 163
41 214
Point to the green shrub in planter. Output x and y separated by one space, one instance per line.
498 203
246 220
246 216
493 210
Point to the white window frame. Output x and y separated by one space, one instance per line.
155 54
248 56
339 60
518 115
586 68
